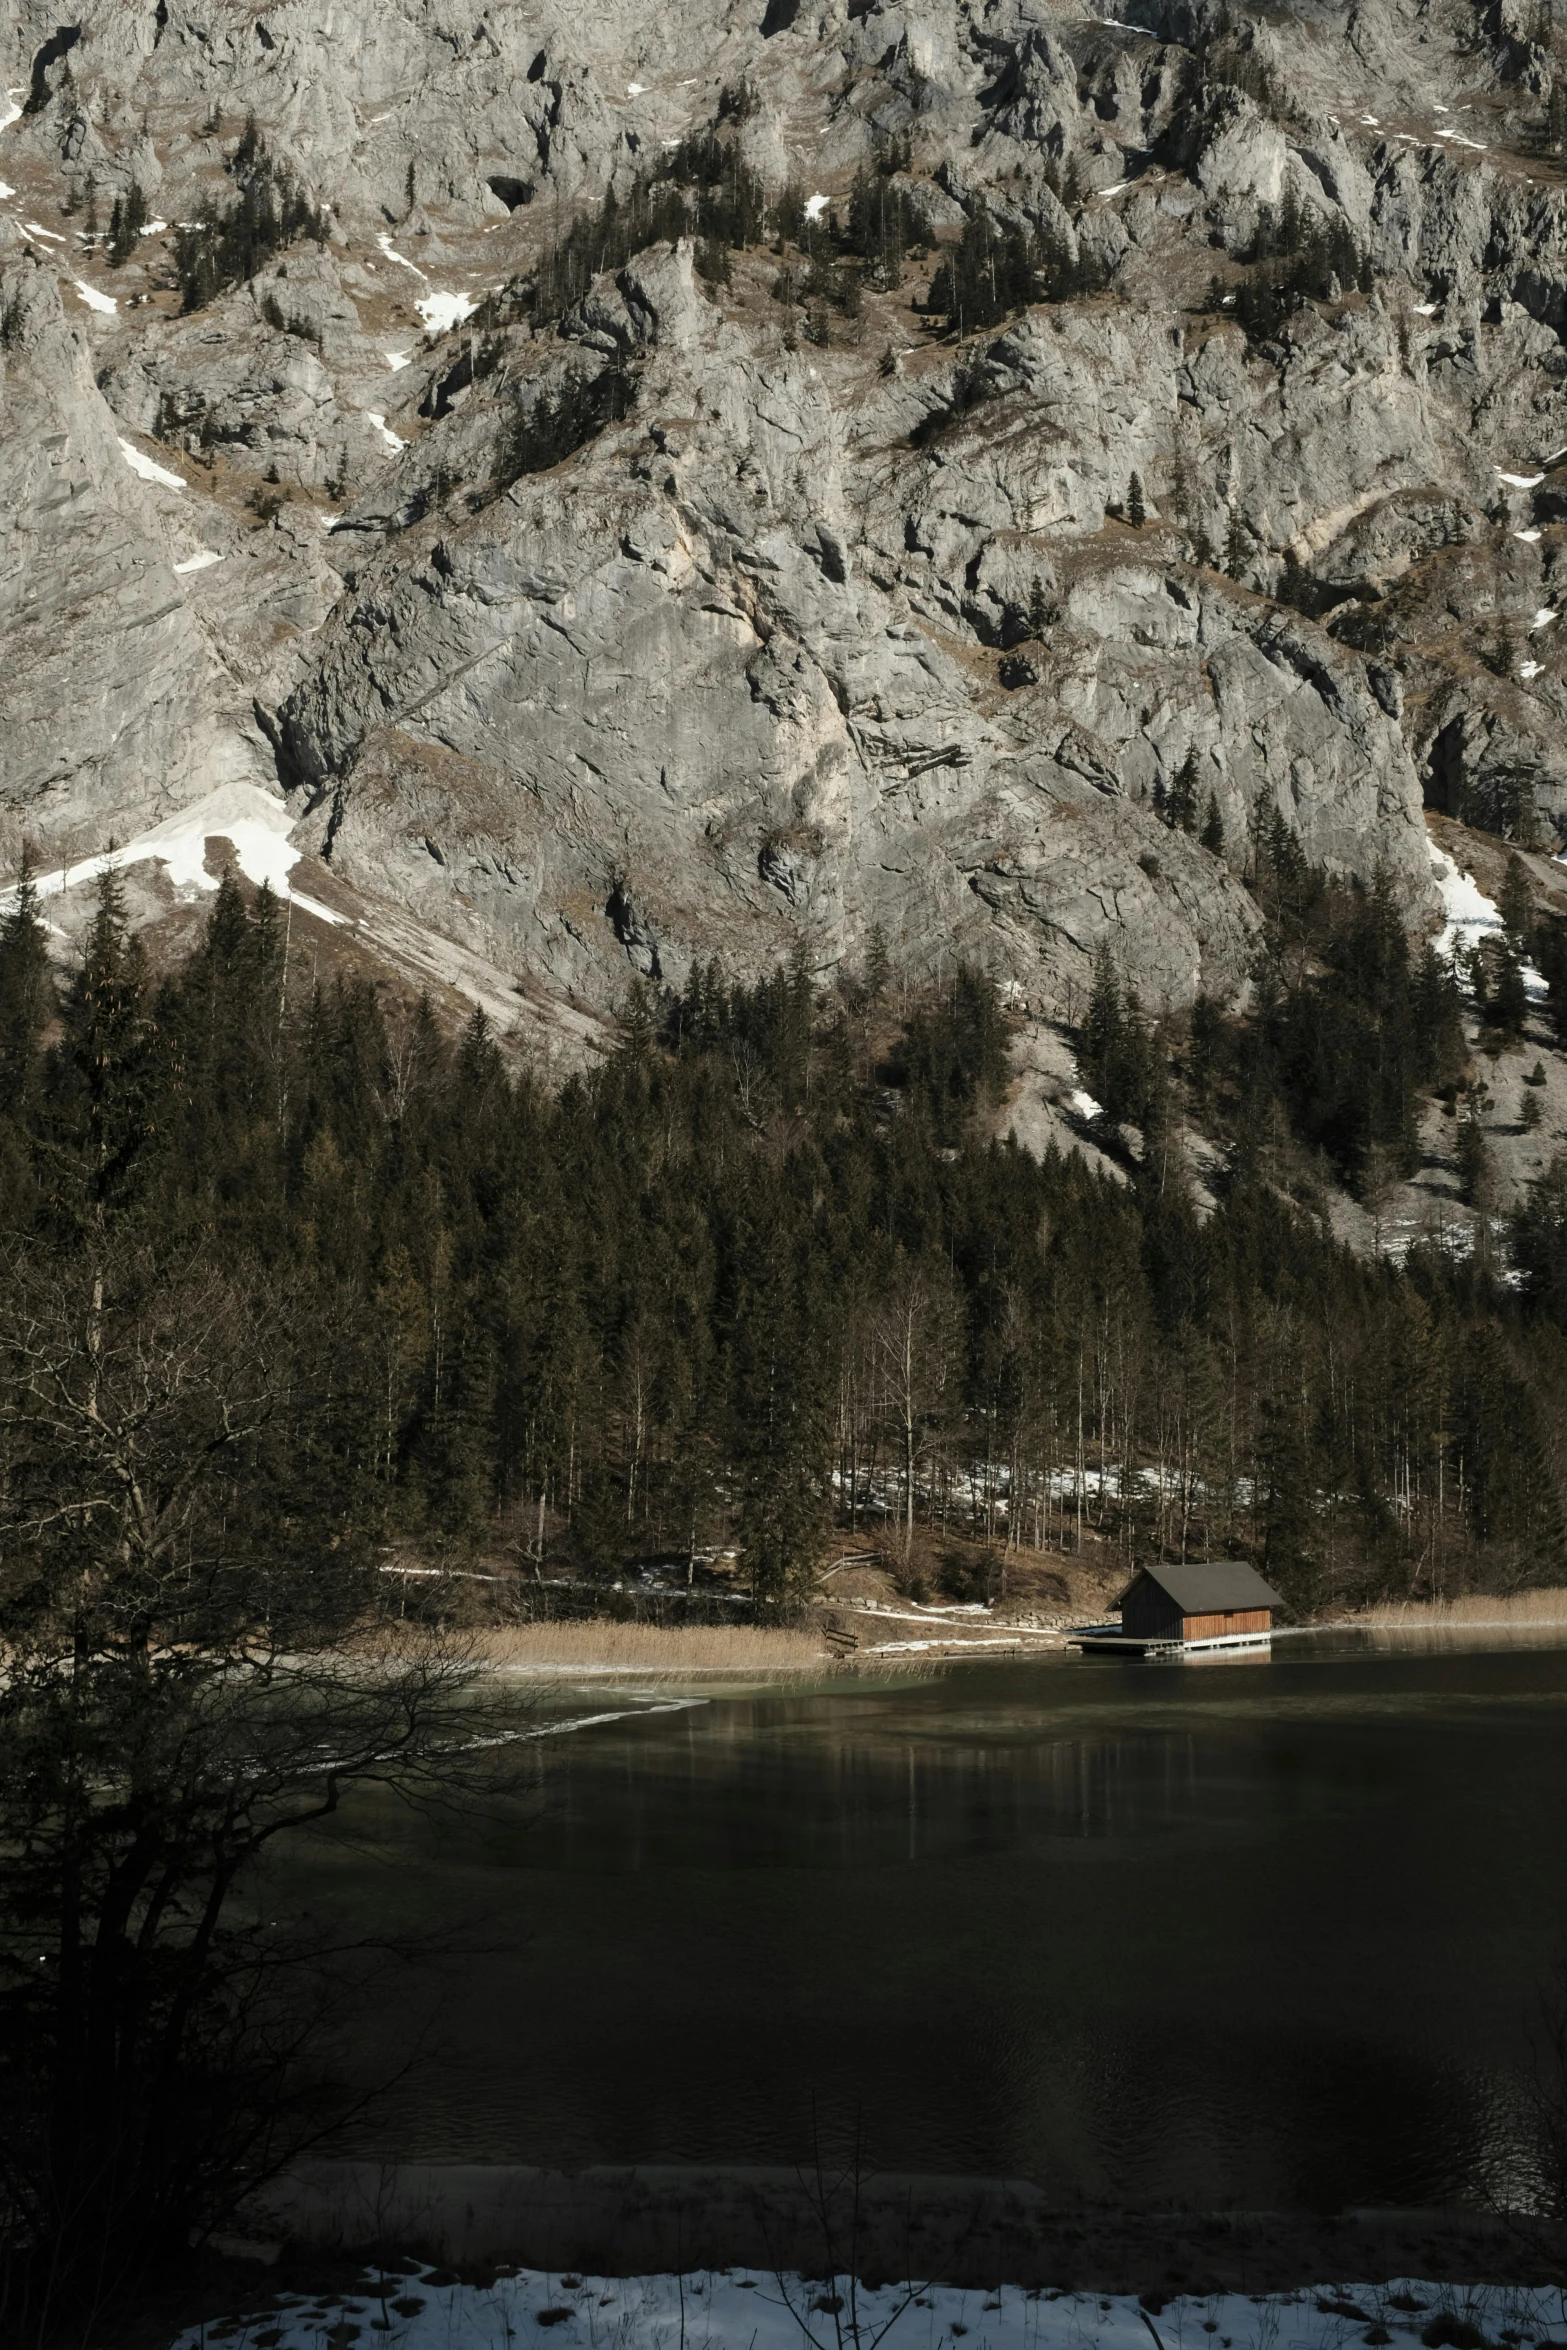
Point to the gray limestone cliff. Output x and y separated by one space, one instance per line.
824 608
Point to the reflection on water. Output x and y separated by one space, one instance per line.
1262 1936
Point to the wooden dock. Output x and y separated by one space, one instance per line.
1110 1640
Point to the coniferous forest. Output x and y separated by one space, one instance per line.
762 1279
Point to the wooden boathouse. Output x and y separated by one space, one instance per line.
1207 1604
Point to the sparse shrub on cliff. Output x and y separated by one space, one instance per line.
228 242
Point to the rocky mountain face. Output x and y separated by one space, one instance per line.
1022 449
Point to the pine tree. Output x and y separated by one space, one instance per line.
1474 1158
1507 1000
1100 1037
1213 827
1235 548
1039 609
1180 807
1539 1241
1136 509
1113 1051
26 997
1515 904
108 1039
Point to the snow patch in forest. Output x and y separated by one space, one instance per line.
1520 481
1471 915
148 469
12 110
392 440
257 825
52 236
1528 669
104 303
441 312
1529 537
202 562
395 360
747 2310
1543 618
6 190
815 206
1084 1104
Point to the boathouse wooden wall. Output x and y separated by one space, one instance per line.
1234 1619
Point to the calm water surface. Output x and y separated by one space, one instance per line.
1239 1933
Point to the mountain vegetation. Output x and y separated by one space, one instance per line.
228 241
762 1274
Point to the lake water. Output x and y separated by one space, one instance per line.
1241 1934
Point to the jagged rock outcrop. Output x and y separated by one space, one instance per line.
682 665
116 708
733 603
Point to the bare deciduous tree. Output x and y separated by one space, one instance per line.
917 1330
192 1670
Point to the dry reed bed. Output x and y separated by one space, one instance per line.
1518 1611
600 1646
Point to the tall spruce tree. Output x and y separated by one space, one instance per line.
26 998
107 1044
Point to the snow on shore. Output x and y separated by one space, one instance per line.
748 2310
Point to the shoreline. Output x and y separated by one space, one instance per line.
606 1650
642 2219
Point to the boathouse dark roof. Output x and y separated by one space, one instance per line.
1209 1587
